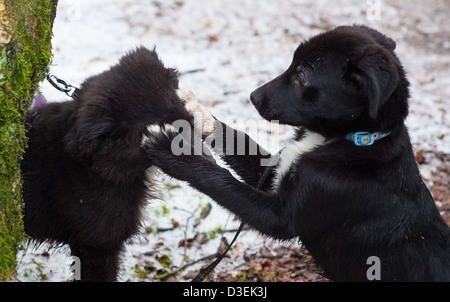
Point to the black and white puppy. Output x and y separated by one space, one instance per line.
85 175
348 184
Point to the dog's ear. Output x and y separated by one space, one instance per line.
387 42
374 73
380 38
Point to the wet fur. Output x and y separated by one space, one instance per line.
84 172
346 203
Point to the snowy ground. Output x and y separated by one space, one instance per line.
224 50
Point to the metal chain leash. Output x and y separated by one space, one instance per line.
60 84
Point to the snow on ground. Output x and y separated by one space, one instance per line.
224 50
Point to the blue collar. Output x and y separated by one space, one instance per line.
365 138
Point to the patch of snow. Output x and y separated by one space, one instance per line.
235 46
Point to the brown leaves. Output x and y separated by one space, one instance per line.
419 157
281 264
213 38
438 165
197 240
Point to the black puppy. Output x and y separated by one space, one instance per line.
348 184
85 177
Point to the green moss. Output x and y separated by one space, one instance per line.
164 260
141 273
165 210
213 233
22 65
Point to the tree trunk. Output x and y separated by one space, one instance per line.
25 49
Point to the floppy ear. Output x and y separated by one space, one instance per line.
381 39
388 43
375 74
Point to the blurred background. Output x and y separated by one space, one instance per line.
223 51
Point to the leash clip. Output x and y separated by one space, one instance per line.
61 84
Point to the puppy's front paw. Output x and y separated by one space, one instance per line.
156 133
157 140
202 120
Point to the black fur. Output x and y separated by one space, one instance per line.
84 172
345 202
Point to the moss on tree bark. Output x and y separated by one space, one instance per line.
25 48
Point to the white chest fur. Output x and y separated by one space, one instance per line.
293 151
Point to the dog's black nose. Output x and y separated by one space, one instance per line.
255 97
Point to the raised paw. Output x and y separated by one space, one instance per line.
156 133
157 141
202 120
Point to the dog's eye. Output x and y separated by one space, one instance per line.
302 79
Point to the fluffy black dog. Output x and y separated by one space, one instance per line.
355 199
84 172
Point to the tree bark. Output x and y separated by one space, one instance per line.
25 49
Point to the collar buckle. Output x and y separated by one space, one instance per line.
365 138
